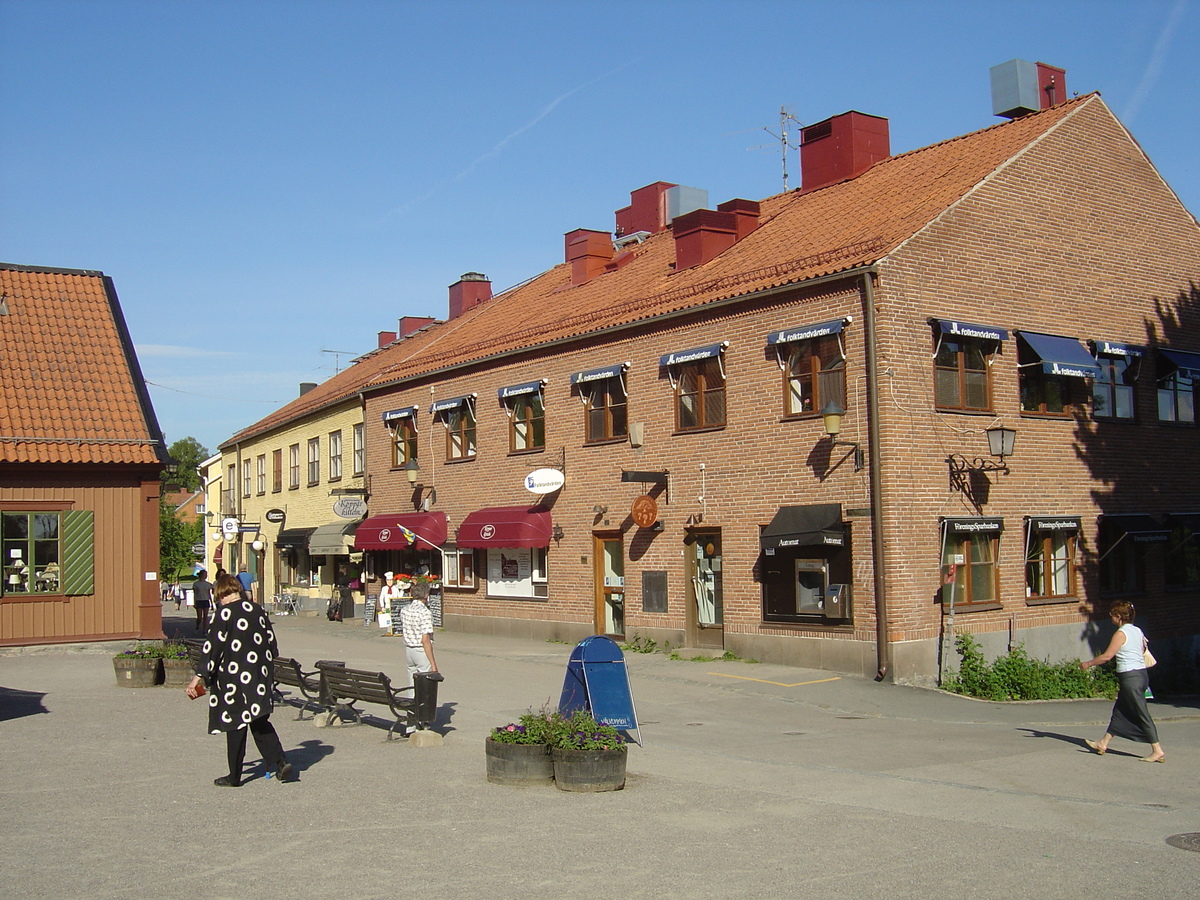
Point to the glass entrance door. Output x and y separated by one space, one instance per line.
706 611
610 586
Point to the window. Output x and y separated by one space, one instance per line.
1124 542
314 461
517 573
969 573
815 375
607 413
245 478
1054 374
276 471
1113 392
460 568
1177 397
47 552
1050 572
526 416
700 395
541 577
293 467
360 449
404 442
961 374
458 416
1183 557
335 455
261 474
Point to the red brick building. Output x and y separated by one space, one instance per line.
1037 278
80 457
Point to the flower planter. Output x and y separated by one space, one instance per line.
589 770
136 672
177 672
518 763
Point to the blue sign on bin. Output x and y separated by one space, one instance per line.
598 680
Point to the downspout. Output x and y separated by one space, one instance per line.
873 470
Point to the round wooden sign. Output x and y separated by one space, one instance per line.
644 511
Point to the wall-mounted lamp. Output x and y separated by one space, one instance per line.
556 532
658 527
1000 443
258 545
831 415
599 510
411 471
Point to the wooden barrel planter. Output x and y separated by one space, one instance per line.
589 770
177 672
136 672
518 763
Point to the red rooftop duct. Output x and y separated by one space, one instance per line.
467 293
588 252
704 234
647 209
1052 82
841 148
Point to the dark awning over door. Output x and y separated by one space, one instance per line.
400 530
818 525
294 537
506 526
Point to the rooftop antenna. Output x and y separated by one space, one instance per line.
782 137
337 358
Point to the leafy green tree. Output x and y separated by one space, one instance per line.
188 453
175 539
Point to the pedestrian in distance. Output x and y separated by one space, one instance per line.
389 599
202 590
238 665
1130 715
416 623
246 580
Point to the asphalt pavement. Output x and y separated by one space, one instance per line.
753 780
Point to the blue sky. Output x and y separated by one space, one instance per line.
268 180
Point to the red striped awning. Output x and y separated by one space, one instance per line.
400 530
506 526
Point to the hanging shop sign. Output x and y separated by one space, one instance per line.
644 511
350 508
275 516
230 524
544 481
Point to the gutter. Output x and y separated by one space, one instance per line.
879 558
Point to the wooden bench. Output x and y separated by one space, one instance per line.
288 671
344 687
195 650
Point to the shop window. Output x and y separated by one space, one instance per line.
335 455
276 471
1050 572
815 375
360 449
517 573
460 568
293 467
47 552
1182 558
970 577
314 461
261 474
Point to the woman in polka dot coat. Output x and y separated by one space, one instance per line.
238 666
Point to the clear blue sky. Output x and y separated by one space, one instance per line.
267 180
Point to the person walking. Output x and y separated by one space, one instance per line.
202 597
416 623
238 664
246 580
1130 715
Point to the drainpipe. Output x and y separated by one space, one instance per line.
873 471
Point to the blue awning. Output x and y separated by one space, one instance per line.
806 332
967 330
974 524
599 374
1113 348
450 403
694 355
1061 355
407 412
1187 364
518 390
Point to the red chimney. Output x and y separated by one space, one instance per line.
746 213
841 148
647 209
409 324
385 338
1052 84
468 292
701 235
587 251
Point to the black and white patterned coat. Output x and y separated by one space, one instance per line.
239 665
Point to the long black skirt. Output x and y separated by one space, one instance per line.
1130 717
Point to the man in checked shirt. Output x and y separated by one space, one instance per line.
416 622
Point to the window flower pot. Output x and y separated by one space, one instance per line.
518 763
136 672
589 770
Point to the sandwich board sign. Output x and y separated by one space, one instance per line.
598 680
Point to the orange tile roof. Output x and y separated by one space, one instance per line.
72 389
799 237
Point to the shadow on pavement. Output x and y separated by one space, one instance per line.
16 704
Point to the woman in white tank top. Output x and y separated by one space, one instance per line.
1130 716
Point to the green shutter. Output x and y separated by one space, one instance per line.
78 563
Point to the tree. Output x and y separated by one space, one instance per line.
175 539
187 453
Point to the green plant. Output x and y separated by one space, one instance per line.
532 728
1017 676
581 731
639 644
155 650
